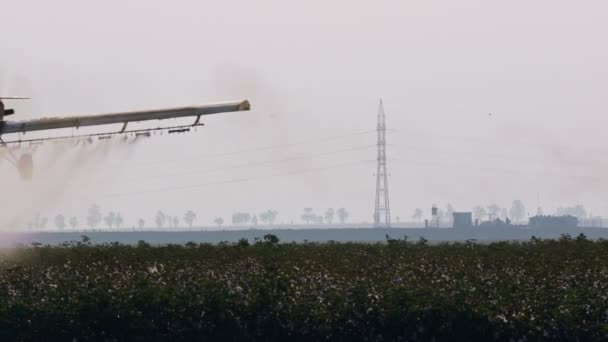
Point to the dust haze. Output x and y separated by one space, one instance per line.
486 103
60 169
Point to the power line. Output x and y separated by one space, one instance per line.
263 148
241 180
264 162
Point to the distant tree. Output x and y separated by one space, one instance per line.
189 218
219 221
342 215
269 216
417 214
504 214
449 213
140 223
440 214
254 220
308 215
493 211
580 212
94 216
241 218
175 221
264 217
74 222
35 223
43 222
60 221
118 220
517 211
110 219
318 219
397 219
272 215
329 215
160 219
479 212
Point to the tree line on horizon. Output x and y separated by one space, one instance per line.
113 219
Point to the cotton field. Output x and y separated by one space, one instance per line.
399 290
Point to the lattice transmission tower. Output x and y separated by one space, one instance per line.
382 213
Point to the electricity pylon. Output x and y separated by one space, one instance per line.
382 213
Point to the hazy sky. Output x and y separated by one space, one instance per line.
314 71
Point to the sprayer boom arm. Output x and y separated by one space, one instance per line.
8 127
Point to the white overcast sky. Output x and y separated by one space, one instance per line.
314 71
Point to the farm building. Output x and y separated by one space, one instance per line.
463 219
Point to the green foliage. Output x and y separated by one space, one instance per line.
143 244
271 239
243 242
400 290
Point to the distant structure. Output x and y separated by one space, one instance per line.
463 219
496 223
559 222
382 212
592 222
434 216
